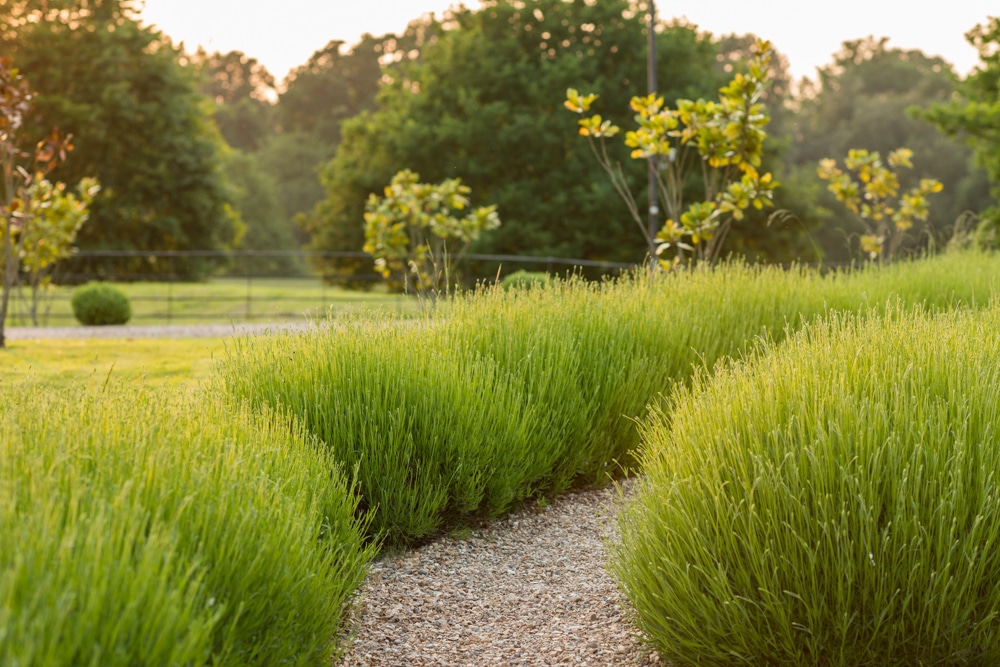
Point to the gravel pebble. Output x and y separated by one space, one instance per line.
529 589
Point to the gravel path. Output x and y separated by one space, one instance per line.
529 589
150 331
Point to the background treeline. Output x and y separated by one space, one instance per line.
208 150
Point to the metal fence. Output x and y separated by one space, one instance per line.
187 286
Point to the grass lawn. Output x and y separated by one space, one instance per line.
169 363
221 300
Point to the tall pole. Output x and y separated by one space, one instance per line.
654 209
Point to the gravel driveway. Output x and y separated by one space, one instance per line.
150 331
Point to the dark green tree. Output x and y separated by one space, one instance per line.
142 127
865 99
337 83
975 117
334 85
256 199
243 91
484 103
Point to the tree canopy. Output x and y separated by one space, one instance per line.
975 115
141 126
484 103
865 100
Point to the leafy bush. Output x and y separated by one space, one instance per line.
832 501
138 530
100 304
524 279
500 395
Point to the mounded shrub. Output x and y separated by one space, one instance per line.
144 531
434 434
832 501
496 396
522 279
98 304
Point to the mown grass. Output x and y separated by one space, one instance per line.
170 364
832 501
224 300
490 398
142 530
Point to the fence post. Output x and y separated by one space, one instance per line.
170 288
246 269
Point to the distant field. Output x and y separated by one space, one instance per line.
221 300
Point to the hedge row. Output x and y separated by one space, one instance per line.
494 397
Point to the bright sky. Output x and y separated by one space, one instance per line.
282 35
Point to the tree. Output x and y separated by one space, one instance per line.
142 127
864 100
975 116
243 92
407 231
872 194
18 205
483 103
256 198
335 84
56 218
723 140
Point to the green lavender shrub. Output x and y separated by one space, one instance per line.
139 530
495 396
830 501
434 433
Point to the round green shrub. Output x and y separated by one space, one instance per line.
522 279
100 304
831 501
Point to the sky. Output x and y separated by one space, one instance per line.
282 35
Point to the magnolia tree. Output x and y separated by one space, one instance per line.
720 140
407 230
23 198
56 216
871 193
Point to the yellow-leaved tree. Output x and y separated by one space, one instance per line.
871 192
721 140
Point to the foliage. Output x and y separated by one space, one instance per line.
141 127
867 98
494 396
408 229
56 217
885 214
482 101
19 196
241 88
98 304
142 528
522 279
831 501
975 115
255 197
724 141
335 84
